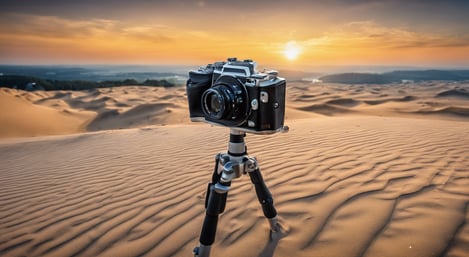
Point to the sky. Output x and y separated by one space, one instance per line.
421 33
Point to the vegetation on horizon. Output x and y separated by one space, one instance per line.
34 83
396 76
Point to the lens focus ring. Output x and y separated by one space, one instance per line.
213 104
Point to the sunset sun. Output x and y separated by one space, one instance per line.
292 50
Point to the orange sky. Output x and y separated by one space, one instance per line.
337 32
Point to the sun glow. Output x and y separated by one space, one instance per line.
292 50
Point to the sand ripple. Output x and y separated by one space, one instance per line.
366 170
343 186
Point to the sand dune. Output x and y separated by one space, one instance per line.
425 100
346 186
65 112
458 93
20 117
133 106
364 171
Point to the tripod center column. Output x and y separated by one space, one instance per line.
236 145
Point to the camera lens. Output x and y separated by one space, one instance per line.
226 102
213 103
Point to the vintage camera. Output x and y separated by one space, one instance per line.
234 94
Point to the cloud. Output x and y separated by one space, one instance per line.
57 28
51 26
100 40
369 34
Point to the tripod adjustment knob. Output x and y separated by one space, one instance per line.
251 164
228 168
228 172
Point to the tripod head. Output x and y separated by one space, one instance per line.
231 165
236 161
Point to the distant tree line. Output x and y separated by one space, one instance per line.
24 83
396 76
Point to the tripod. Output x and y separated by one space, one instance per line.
229 166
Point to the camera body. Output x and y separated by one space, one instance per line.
235 95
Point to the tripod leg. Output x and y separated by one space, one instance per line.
215 202
215 206
265 198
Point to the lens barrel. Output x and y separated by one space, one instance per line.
226 102
214 103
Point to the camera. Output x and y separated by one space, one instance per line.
234 94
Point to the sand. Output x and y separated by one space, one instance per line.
364 171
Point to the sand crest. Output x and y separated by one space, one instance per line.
373 171
20 117
65 112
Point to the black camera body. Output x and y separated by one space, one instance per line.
235 95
